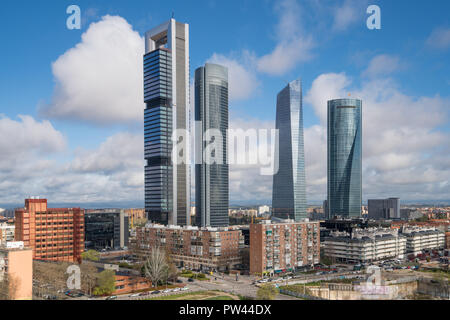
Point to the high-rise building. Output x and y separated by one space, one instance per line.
384 208
166 95
289 185
344 157
52 234
211 175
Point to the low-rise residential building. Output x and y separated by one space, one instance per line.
125 283
16 272
284 246
364 245
6 232
192 247
421 238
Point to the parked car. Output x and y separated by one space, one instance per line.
156 292
184 289
191 280
179 281
135 295
176 290
111 298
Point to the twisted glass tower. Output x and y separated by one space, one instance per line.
344 157
289 185
211 113
166 96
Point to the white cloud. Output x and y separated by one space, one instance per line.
242 80
26 136
100 79
293 45
382 65
347 14
439 38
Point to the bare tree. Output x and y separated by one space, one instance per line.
155 266
9 287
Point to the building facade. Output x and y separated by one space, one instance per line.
211 175
136 216
344 157
7 232
422 238
192 247
52 234
364 245
107 228
16 272
283 247
166 96
384 208
289 185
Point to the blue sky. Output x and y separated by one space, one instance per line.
401 68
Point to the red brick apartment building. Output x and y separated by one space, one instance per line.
52 234
128 284
192 247
283 247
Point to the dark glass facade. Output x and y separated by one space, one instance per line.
344 157
211 109
106 229
289 184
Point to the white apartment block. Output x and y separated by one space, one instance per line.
6 233
365 245
420 238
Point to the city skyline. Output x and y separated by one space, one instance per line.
88 148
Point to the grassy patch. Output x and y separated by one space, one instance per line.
220 298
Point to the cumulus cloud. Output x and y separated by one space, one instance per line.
27 136
382 65
242 80
100 80
403 151
439 38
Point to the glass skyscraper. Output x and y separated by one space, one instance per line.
166 95
211 112
344 157
289 184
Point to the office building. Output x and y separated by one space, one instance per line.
289 185
16 272
54 234
166 96
364 245
344 157
211 168
195 248
384 208
107 228
283 247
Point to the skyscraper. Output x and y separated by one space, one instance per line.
289 185
344 157
211 112
166 95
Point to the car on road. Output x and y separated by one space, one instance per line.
156 292
176 290
179 281
191 280
184 289
134 295
167 291
111 298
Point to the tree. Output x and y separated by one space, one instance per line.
155 266
8 288
106 283
90 255
267 292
